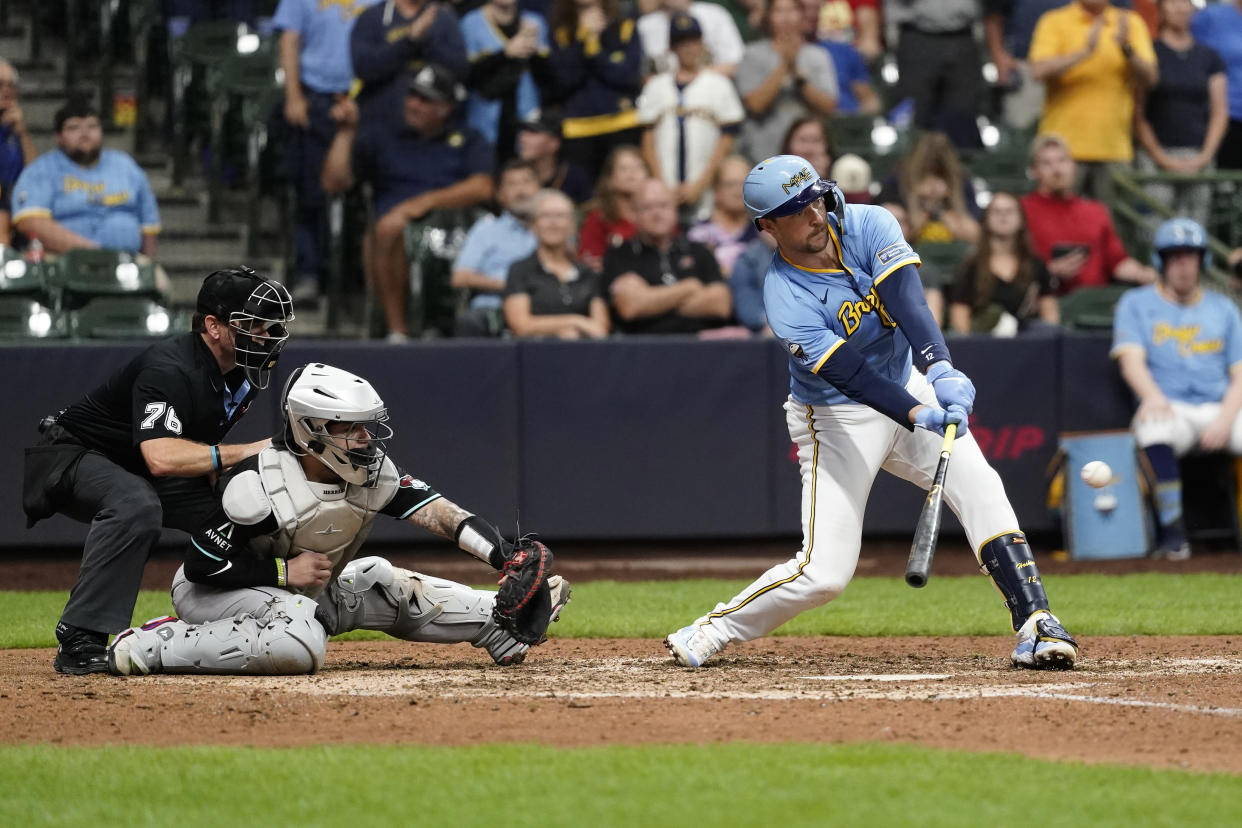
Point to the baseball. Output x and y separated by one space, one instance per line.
1097 474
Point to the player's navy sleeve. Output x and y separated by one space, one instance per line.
160 398
215 553
899 287
849 372
412 494
903 298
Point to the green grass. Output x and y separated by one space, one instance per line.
519 785
1143 604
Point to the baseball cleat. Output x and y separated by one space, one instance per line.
1043 644
559 591
690 646
136 651
80 652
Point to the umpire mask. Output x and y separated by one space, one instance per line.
257 311
339 418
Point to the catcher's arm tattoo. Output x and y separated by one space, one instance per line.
440 517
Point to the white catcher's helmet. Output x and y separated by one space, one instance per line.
321 406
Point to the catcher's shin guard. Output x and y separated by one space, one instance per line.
283 639
1008 559
370 593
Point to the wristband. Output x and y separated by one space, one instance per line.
215 458
474 536
282 572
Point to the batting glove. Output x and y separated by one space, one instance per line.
952 386
937 420
964 425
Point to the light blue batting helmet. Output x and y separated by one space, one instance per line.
784 184
1179 234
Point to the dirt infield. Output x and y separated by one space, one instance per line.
1156 701
1162 702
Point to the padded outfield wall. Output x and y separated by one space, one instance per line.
641 438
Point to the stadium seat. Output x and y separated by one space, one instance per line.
243 90
82 274
431 245
26 317
120 317
944 256
21 278
1091 308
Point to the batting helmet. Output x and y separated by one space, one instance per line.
1179 234
317 396
784 184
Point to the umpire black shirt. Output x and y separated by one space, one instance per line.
682 260
172 389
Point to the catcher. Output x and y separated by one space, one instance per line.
273 575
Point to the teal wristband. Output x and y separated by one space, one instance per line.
215 458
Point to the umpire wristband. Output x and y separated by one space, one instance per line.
215 458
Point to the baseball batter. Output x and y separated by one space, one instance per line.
273 574
844 298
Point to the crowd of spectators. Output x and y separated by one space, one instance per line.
622 106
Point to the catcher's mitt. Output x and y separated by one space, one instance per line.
525 603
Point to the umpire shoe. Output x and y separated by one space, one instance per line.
80 651
1043 644
136 651
690 646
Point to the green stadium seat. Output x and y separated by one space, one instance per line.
83 274
120 317
944 256
1091 308
431 245
21 278
24 317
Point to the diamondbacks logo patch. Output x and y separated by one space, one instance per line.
409 481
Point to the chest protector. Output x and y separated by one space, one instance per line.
333 519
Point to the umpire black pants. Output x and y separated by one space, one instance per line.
125 513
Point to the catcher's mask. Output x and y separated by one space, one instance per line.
340 419
257 311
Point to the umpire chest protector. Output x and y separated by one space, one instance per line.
333 519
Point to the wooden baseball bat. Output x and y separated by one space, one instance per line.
918 568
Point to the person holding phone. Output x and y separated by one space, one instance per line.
1074 235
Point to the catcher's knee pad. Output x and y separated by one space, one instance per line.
283 639
1008 559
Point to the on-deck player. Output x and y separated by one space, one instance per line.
843 296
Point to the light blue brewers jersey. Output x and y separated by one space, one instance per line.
324 27
1190 348
110 203
814 311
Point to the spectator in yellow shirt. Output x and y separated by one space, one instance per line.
1092 58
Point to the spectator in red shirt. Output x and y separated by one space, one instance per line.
610 220
1072 234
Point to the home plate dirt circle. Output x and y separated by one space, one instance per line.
1159 701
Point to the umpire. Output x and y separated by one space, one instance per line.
142 451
